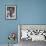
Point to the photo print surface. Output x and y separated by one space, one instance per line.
10 12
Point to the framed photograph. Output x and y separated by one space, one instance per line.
33 32
10 12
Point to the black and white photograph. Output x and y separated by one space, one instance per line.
10 12
31 34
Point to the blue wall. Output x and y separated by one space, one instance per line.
28 12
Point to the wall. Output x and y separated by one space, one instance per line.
28 12
33 12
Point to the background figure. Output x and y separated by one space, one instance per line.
10 11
